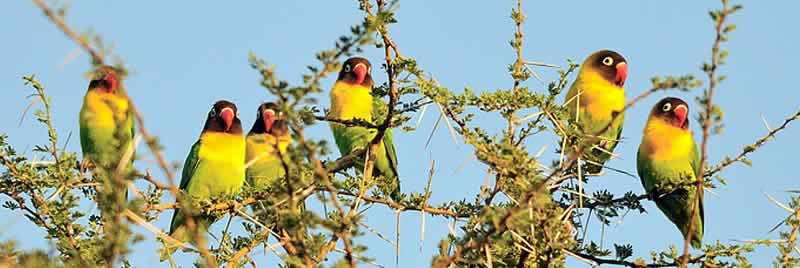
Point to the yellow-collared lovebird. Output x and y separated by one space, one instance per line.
106 123
351 98
214 167
594 99
268 133
667 163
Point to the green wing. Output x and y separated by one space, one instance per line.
131 124
190 165
695 160
391 155
379 116
386 165
608 140
643 170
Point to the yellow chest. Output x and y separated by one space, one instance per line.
262 146
104 109
662 141
599 97
223 148
351 101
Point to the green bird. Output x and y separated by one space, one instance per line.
351 98
667 163
214 167
106 124
268 133
594 100
267 143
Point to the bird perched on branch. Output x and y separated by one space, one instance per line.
667 163
269 132
214 168
107 130
267 144
595 102
352 99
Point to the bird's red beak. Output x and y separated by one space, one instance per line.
361 72
681 112
227 116
269 119
112 83
622 74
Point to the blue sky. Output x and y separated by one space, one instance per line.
184 56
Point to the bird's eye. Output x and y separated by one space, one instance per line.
608 61
666 107
237 114
213 112
347 68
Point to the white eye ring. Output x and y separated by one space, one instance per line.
667 106
347 68
608 61
213 112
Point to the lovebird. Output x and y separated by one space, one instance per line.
667 164
214 167
351 98
106 124
267 143
594 99
269 132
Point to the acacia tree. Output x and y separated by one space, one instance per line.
538 224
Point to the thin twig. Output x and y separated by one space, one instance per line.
752 147
709 110
97 57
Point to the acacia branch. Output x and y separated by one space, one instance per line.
706 118
356 122
517 72
151 142
752 147
595 261
97 57
401 207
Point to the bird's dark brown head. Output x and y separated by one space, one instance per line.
269 120
674 111
106 79
610 65
223 117
356 71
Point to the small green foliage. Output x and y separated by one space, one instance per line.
623 251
